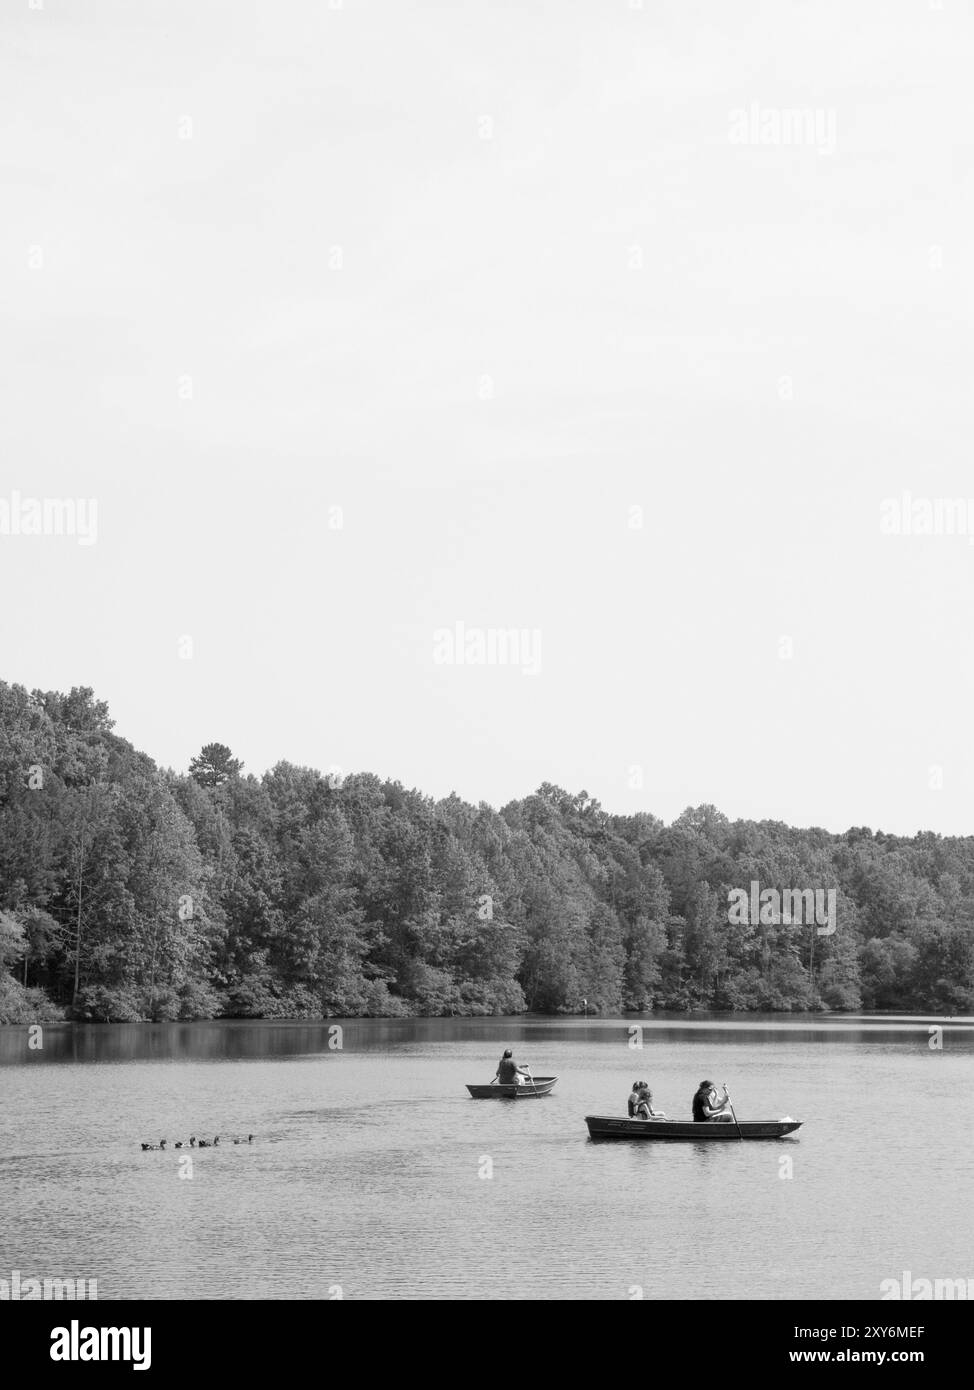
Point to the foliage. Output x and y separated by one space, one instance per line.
127 892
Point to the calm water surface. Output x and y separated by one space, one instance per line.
366 1173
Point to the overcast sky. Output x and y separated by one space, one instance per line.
360 321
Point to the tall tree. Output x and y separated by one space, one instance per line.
214 765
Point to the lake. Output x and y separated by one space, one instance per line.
375 1175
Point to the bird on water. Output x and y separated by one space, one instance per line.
195 1143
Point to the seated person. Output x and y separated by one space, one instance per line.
644 1107
508 1072
634 1099
706 1106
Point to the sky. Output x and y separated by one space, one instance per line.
356 322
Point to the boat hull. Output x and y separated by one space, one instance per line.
542 1087
687 1131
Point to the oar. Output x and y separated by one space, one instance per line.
531 1079
731 1104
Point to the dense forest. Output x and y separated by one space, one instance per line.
131 892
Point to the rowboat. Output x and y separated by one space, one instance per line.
515 1091
612 1127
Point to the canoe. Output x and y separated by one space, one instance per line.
612 1127
542 1087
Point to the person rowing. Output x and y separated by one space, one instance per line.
707 1107
508 1072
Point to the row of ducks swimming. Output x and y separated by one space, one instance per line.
195 1143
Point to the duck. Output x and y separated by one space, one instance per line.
178 1144
248 1140
161 1145
203 1144
192 1141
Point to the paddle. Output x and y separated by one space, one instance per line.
531 1079
731 1104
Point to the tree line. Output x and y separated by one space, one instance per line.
130 892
